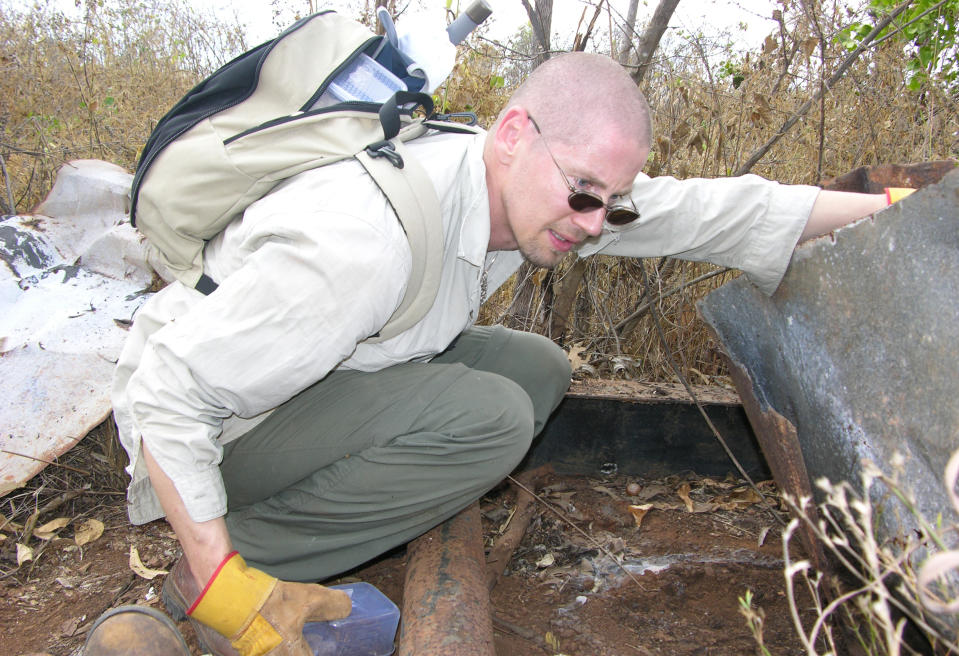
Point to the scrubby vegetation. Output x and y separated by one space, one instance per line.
93 84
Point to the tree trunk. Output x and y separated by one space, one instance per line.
652 36
541 18
629 32
564 290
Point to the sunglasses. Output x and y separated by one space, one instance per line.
587 201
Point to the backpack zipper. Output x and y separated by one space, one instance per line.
358 105
144 165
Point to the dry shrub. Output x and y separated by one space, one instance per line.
877 596
94 84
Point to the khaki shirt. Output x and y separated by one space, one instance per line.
321 263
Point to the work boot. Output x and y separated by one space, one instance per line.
134 630
179 592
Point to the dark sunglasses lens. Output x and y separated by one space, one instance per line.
620 216
582 201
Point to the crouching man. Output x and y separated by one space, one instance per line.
284 449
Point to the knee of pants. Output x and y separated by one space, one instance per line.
545 374
485 411
552 362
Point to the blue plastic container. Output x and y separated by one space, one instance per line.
368 631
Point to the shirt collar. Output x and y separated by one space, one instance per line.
475 231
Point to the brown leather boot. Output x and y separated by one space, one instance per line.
134 630
179 592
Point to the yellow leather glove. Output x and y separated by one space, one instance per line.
261 614
896 194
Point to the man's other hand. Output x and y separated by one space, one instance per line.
261 614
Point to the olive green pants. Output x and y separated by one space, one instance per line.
362 462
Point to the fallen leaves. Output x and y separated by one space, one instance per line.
683 492
140 569
49 530
639 512
24 553
88 531
546 561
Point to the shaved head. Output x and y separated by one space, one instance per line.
578 125
571 93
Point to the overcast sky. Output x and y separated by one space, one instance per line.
708 16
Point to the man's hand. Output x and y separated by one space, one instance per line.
261 614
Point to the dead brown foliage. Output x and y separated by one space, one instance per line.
94 84
712 109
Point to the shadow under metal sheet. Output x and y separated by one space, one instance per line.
593 434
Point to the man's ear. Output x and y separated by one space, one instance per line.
509 133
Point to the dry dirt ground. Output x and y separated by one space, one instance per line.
669 585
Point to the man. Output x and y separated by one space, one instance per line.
258 420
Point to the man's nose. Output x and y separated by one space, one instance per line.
590 222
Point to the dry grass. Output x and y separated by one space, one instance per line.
93 86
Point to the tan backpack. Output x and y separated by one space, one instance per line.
254 123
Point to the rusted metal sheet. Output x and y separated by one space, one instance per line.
875 179
445 599
70 281
780 445
857 352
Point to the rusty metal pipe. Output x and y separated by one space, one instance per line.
445 602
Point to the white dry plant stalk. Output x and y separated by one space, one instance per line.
888 589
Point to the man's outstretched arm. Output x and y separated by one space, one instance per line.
834 209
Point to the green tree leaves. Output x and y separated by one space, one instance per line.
926 31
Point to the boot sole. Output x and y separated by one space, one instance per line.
145 610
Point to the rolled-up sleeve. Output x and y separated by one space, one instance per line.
747 223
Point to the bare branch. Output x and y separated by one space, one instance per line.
833 79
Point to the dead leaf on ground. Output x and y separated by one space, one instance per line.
762 535
88 531
683 493
546 561
606 490
49 530
703 507
551 640
651 490
140 569
24 553
578 358
562 499
7 523
746 496
638 512
69 627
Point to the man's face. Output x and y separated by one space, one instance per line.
542 225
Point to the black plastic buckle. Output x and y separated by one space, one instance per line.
456 117
388 150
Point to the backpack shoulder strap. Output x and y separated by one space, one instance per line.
411 194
